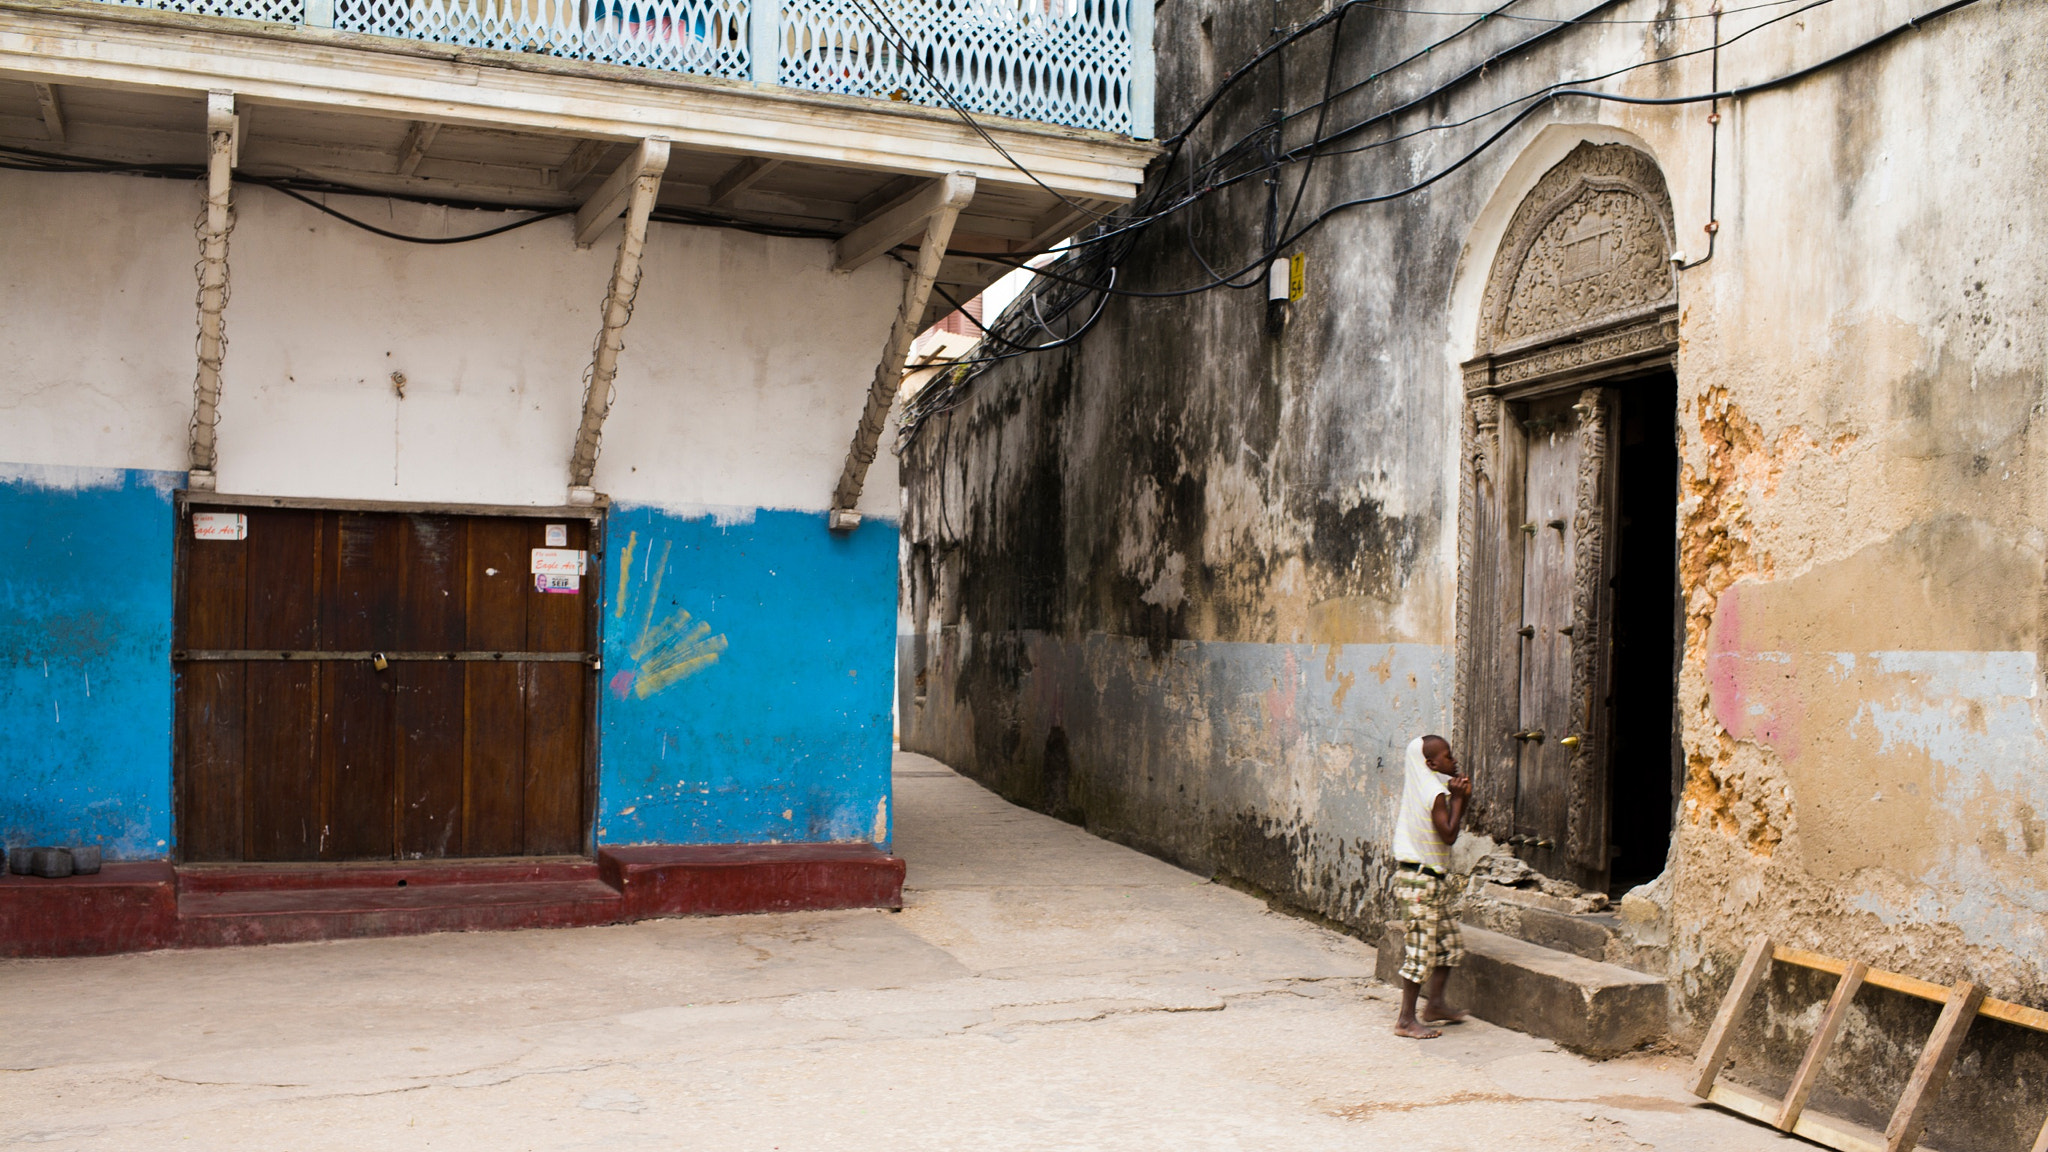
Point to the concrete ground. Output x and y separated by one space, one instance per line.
1043 989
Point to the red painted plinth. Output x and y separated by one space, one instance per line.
720 880
125 908
138 907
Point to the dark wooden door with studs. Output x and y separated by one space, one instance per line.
370 685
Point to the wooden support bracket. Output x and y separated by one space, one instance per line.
900 221
1960 1005
223 131
418 139
53 112
941 205
637 198
604 205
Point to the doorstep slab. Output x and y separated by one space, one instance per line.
1586 1005
730 879
291 915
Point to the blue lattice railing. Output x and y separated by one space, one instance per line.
1082 63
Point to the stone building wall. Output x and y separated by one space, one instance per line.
1195 585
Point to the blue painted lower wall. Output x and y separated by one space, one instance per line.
748 672
747 680
85 662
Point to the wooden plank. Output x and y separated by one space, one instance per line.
744 175
525 511
1876 978
604 205
1826 1130
2041 1141
1721 1034
2020 1014
429 697
282 766
211 702
1931 1073
360 609
283 747
555 708
494 722
581 161
1824 1036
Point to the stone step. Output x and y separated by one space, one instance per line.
1586 1005
1551 922
287 915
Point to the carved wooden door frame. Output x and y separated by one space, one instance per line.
1581 295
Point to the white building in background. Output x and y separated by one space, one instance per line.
322 316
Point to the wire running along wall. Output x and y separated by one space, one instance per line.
1055 61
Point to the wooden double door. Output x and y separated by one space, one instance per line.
1576 629
366 685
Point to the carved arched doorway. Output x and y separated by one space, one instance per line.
1567 609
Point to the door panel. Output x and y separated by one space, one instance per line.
292 745
1550 493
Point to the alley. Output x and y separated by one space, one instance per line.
1041 989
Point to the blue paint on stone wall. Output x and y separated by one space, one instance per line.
85 677
748 670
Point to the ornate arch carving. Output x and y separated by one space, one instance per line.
1581 290
1589 246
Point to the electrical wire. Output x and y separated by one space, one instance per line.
955 382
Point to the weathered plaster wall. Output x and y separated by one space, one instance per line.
1116 553
716 404
746 365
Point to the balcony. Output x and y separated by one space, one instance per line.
1066 62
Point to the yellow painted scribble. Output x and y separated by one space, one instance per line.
667 647
671 651
625 574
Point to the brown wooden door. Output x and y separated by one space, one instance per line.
1559 820
471 740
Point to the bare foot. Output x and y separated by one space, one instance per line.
1415 1031
1443 1014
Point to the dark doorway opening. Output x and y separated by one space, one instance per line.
1644 764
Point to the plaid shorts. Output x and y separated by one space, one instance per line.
1432 939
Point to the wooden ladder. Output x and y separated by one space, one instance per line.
1961 1004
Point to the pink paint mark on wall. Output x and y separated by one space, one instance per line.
622 683
1755 695
1280 697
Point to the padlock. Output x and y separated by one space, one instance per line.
378 662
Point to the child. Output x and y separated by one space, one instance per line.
1433 799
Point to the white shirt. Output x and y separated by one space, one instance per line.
1415 838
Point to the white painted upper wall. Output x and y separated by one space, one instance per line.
746 363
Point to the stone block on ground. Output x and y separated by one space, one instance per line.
1588 1006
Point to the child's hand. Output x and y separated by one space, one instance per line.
1460 786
